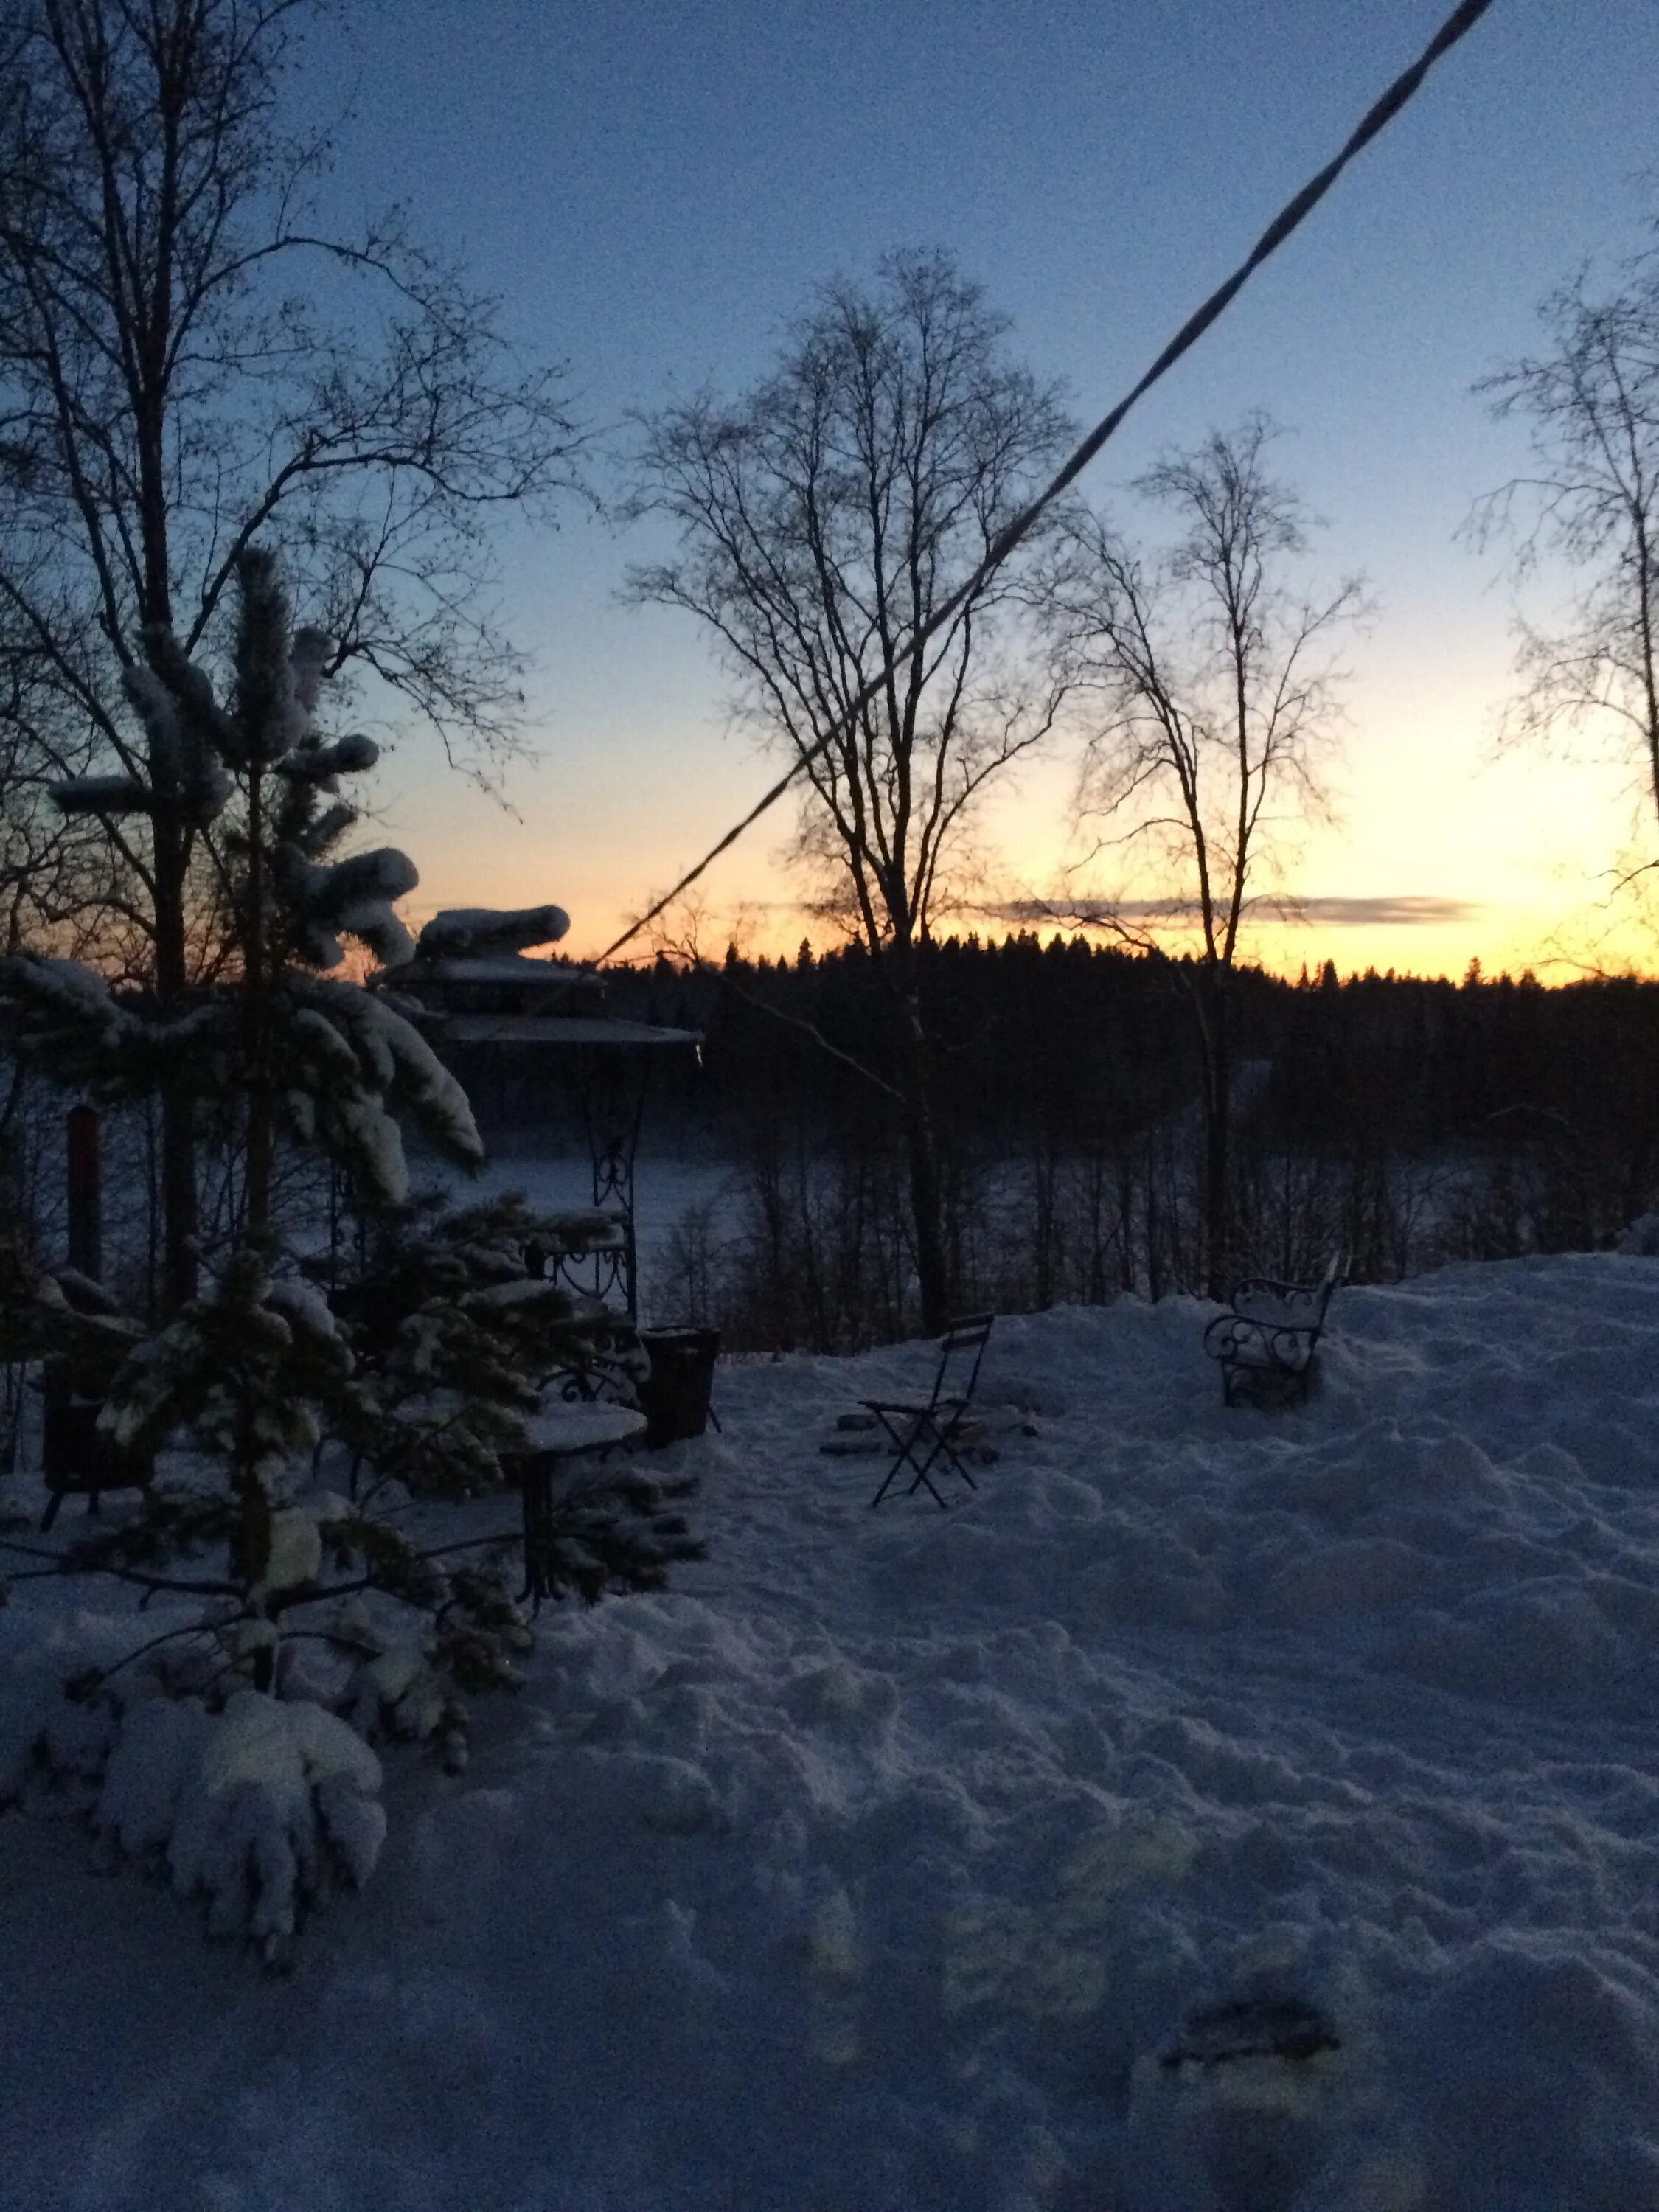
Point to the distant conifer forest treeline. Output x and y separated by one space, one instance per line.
1409 1122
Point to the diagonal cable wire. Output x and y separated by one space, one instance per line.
1290 218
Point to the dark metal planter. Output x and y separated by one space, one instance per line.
675 1397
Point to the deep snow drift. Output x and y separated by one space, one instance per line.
895 1859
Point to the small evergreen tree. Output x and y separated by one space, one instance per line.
441 1346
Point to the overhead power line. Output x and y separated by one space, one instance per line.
1290 218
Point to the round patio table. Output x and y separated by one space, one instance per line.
556 1435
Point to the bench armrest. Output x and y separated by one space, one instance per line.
1238 1341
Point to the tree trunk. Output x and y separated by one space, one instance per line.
256 986
1220 1265
922 1151
927 1207
179 1205
170 852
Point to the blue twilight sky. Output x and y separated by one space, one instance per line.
652 189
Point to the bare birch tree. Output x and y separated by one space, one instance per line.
822 519
1590 402
191 361
1215 703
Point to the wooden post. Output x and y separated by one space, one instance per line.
85 1192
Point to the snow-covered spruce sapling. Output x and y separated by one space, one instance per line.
253 1375
300 1598
310 1613
278 1037
204 1746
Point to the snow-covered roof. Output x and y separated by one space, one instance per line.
559 1030
501 968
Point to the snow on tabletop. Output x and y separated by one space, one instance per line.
1215 1809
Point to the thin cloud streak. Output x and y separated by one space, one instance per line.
1401 911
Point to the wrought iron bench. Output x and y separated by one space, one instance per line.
1266 1343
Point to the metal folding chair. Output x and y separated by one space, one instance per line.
923 1435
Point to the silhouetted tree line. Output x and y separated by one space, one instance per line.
1409 1122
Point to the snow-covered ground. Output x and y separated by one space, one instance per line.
886 1861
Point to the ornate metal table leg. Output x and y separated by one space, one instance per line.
537 1489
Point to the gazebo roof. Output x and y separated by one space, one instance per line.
476 986
565 1029
501 968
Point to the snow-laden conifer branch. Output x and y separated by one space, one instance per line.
235 1749
459 932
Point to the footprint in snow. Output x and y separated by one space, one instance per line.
1244 2111
1251 2027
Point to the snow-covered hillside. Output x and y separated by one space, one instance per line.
914 1862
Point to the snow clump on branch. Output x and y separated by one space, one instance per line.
259 1809
460 931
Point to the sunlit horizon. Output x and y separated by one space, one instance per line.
658 247
1509 859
